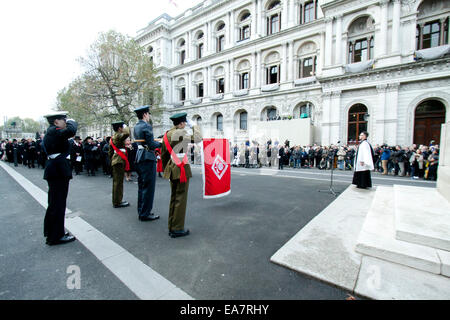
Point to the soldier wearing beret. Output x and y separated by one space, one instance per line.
145 164
58 174
119 162
177 169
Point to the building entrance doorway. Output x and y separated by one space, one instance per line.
428 119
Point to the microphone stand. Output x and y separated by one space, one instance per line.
330 189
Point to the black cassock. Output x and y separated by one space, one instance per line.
58 174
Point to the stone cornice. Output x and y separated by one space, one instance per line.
408 72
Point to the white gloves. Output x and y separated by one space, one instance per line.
190 123
124 126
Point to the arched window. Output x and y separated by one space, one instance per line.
199 120
361 40
357 122
428 119
271 113
432 24
220 37
273 17
244 26
219 122
304 110
243 120
182 51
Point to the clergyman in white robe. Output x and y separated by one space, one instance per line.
363 164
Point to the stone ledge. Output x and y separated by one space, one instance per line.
377 237
422 216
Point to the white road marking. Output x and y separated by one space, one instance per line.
142 280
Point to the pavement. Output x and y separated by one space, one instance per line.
227 255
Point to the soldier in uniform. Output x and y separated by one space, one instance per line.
145 163
119 162
177 169
58 174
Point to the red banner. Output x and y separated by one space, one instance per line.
216 168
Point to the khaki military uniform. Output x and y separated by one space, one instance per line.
118 165
179 140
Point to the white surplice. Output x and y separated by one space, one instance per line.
364 154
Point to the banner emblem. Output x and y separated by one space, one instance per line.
219 167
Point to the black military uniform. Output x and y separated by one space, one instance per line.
145 164
58 174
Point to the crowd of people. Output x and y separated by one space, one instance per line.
90 155
416 162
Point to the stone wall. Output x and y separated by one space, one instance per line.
443 181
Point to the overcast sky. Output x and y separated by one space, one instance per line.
42 39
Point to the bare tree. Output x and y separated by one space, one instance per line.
118 76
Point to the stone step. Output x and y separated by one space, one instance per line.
422 216
377 237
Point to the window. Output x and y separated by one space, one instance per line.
274 5
245 33
309 12
272 113
199 120
431 33
150 49
307 67
243 121
200 51
244 81
220 27
360 50
219 123
182 56
200 90
273 74
182 94
305 111
220 43
273 24
221 85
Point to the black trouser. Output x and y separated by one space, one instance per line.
146 171
54 216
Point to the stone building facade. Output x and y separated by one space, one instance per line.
236 67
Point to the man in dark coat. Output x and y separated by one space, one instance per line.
58 174
145 164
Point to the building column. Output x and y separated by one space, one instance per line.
227 76
326 107
391 114
174 53
232 30
253 73
258 69
380 116
210 38
175 97
335 115
321 60
231 75
284 67
396 27
291 13
254 14
205 83
188 86
284 15
338 40
261 19
211 90
383 26
328 40
291 66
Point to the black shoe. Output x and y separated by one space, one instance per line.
122 204
178 233
65 239
149 217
